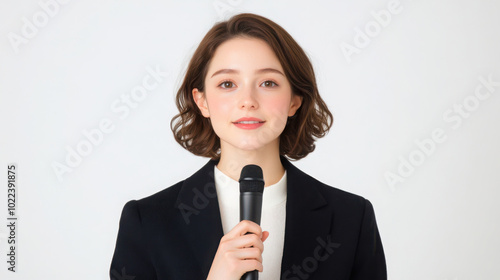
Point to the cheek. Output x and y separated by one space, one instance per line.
220 109
279 107
217 105
278 113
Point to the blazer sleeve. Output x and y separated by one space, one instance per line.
369 262
131 259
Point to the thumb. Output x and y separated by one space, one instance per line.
265 235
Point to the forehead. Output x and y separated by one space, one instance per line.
244 53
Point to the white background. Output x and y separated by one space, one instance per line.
440 222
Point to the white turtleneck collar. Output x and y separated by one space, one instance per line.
228 191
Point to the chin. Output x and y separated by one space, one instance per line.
249 147
253 145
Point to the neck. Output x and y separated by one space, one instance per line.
233 160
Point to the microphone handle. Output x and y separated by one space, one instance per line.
251 275
251 209
251 206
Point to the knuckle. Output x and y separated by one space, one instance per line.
255 238
227 254
256 264
222 244
248 223
256 251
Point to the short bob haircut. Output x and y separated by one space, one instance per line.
311 121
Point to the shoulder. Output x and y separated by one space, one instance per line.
344 202
158 203
162 197
338 197
336 194
167 200
318 193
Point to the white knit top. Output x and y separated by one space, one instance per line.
272 220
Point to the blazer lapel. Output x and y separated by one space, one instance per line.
307 219
199 206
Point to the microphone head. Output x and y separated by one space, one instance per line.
251 179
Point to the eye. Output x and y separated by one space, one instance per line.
269 84
227 84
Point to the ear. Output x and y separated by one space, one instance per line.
294 104
201 102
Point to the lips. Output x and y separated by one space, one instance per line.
248 123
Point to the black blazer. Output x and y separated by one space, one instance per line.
175 233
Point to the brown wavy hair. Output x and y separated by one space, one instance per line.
311 121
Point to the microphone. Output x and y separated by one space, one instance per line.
251 190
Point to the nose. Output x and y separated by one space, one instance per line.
248 99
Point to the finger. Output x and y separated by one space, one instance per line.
265 235
246 241
242 228
248 254
251 265
250 227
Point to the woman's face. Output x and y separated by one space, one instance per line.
247 96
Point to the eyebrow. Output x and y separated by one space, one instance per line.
234 71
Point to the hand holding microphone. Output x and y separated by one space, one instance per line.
240 250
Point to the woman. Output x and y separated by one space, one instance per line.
249 96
